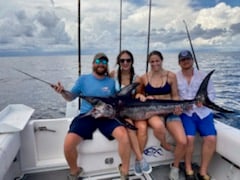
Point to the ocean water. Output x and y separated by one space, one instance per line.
16 88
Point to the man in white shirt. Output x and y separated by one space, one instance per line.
199 118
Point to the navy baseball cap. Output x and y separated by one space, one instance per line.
185 54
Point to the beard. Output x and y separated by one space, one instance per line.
100 70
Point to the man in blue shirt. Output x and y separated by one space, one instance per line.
98 83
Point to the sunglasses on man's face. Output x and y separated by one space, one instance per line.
125 60
103 61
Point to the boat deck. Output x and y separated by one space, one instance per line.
158 173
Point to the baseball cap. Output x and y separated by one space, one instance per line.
100 56
185 54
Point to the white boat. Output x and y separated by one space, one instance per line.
33 149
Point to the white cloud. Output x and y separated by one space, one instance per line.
220 24
34 27
51 25
220 16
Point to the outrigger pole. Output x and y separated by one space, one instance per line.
189 38
120 33
79 37
79 44
148 37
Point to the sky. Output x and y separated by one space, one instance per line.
36 27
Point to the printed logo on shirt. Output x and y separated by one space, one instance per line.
106 90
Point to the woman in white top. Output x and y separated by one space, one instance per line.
124 76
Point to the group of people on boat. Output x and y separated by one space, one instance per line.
158 83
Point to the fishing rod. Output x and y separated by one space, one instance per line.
189 38
148 37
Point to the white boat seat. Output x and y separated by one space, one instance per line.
106 153
98 144
13 119
9 147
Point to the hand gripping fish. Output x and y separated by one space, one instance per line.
122 105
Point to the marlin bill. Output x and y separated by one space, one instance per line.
122 106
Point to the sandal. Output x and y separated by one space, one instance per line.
190 175
76 176
203 177
122 176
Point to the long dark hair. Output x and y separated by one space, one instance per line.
119 71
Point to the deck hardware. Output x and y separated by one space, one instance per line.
109 160
43 128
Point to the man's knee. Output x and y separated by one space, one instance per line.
211 140
71 141
120 134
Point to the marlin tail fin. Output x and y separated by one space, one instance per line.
202 95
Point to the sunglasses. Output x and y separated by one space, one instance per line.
103 61
123 60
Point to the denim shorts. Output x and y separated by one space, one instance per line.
172 117
84 126
194 124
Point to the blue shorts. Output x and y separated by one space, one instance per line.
204 126
84 126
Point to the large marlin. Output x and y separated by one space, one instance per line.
122 105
